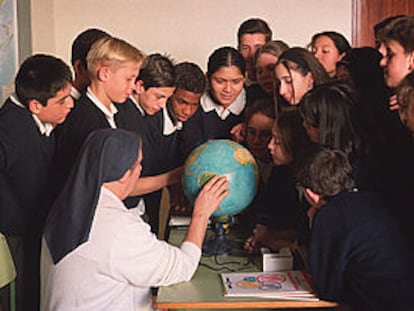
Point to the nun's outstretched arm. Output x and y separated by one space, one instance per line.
208 200
148 184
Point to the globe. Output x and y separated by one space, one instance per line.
226 158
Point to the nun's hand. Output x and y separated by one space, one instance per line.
210 196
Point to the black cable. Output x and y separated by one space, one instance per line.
244 265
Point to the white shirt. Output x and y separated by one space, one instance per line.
140 109
116 267
44 128
169 125
236 107
109 113
74 93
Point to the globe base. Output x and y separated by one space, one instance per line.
219 244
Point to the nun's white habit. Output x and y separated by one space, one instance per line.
97 254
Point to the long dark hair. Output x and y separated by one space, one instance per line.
331 108
293 135
302 61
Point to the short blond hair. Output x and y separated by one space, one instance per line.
112 52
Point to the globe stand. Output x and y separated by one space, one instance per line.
219 244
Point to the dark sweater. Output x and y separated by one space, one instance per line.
26 161
358 256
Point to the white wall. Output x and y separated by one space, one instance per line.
184 29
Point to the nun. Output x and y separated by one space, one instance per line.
99 255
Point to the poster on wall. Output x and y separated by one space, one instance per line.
8 47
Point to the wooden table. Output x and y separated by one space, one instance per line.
205 290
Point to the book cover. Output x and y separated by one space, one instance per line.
292 284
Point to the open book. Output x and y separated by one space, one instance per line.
292 285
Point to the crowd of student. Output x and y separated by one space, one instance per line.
83 164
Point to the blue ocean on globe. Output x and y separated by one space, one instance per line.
222 157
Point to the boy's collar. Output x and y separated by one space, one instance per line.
140 109
170 123
74 92
45 128
108 112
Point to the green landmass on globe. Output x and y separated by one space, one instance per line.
222 157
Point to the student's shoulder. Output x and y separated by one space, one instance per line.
84 118
197 118
130 117
83 103
9 110
83 110
13 118
155 123
356 208
128 106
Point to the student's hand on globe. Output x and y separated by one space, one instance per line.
238 132
211 195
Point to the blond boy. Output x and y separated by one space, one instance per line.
113 66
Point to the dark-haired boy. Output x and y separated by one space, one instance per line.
397 49
167 96
190 84
165 126
357 255
27 145
251 35
79 50
153 86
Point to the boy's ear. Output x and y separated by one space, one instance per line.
310 80
103 73
341 56
313 196
34 106
139 87
411 61
77 67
